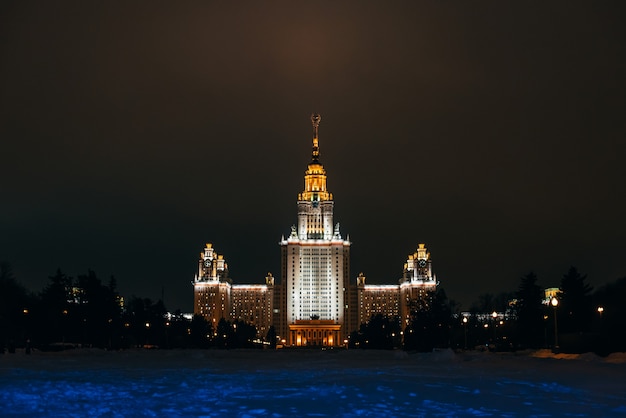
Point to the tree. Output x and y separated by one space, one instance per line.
146 320
225 334
575 310
442 316
54 310
244 334
612 298
271 336
380 332
488 302
530 311
15 309
420 332
97 309
201 332
430 322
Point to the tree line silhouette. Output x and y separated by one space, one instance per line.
84 311
585 320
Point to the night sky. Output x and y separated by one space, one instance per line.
132 133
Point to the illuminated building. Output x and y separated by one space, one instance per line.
216 297
212 287
549 294
315 264
253 303
417 283
315 304
397 301
373 300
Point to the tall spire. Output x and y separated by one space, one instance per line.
315 175
315 120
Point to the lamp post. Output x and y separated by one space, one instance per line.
494 315
63 326
603 338
110 322
147 334
555 302
465 331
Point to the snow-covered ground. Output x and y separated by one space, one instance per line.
307 383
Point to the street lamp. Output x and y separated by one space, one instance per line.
555 302
605 340
63 326
465 330
494 315
147 334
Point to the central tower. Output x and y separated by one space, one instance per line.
315 203
315 264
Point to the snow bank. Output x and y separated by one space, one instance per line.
614 358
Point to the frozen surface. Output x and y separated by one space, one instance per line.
284 383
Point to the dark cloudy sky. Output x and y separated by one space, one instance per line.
134 132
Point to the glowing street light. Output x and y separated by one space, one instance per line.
602 331
147 334
465 331
555 302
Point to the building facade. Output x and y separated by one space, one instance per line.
315 264
398 301
216 297
315 303
212 287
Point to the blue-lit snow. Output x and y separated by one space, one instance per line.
307 383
